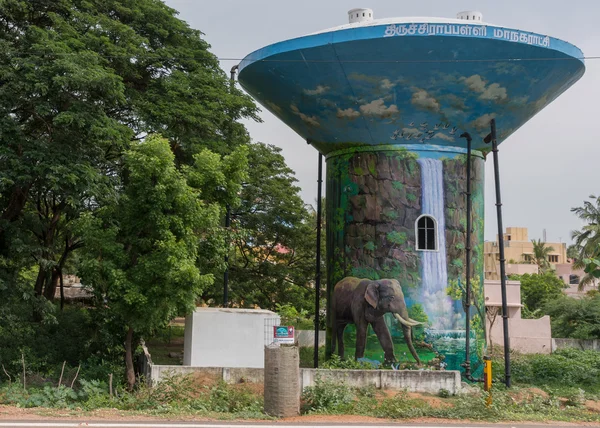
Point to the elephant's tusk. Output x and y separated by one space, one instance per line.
407 323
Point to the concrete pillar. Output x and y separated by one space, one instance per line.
282 381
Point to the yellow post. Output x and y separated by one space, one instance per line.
487 378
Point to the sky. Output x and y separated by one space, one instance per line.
547 167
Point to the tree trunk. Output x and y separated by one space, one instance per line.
129 359
40 281
52 285
62 291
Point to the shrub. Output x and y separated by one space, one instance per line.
335 362
327 396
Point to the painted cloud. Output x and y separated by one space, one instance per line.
483 123
379 109
444 137
423 100
492 92
348 113
387 84
309 120
274 107
319 90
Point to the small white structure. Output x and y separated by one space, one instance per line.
360 15
222 337
470 15
528 336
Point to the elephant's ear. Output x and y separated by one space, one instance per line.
372 294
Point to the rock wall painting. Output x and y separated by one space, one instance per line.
374 201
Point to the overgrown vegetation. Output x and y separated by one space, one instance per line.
175 394
121 147
518 404
563 370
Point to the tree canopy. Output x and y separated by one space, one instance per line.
84 87
273 238
540 255
575 318
537 289
587 240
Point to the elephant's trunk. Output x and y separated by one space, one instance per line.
407 325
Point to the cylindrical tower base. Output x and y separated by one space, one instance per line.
399 213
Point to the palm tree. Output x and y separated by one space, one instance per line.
587 239
540 255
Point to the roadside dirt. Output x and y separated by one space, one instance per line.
14 413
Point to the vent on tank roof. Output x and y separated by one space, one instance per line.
470 15
360 15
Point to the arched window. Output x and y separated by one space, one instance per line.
427 234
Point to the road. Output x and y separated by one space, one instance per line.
166 424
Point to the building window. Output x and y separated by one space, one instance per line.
573 279
426 233
528 258
553 258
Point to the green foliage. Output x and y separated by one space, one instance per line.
370 246
540 255
586 249
365 272
225 399
417 313
444 393
574 318
398 185
291 316
82 84
397 238
372 167
565 367
537 289
326 396
592 264
307 357
335 362
141 251
273 234
410 197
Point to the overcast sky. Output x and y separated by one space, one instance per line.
547 167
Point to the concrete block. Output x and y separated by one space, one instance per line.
221 337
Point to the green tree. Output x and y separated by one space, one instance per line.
575 318
572 252
540 255
537 289
592 264
141 251
587 240
81 80
273 238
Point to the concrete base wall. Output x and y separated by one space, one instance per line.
219 337
585 345
410 380
526 336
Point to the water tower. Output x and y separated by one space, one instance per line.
386 102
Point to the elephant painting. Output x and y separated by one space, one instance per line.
362 302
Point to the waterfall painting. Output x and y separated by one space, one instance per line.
400 214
